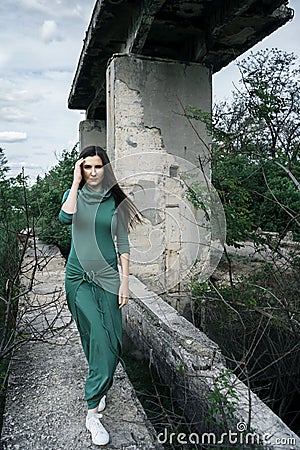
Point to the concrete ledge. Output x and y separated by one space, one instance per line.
190 362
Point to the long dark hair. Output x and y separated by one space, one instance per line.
130 214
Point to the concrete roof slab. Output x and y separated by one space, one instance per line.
212 32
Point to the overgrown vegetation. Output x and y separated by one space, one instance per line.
45 201
254 314
26 212
12 220
254 317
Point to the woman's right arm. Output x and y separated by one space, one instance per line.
70 205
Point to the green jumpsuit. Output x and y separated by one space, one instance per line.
92 283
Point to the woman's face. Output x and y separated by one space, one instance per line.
93 172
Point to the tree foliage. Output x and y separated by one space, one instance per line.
255 159
256 147
12 220
45 200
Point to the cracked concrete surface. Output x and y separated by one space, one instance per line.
45 406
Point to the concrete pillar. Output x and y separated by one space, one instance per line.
152 143
92 132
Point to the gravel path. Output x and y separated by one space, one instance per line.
45 406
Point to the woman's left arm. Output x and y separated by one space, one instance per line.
124 286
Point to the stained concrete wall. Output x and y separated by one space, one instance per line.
92 132
189 362
152 143
146 98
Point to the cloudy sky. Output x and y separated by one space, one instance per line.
285 38
40 43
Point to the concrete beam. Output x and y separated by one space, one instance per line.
92 132
97 106
205 31
142 23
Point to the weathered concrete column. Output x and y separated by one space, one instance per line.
152 143
92 132
146 98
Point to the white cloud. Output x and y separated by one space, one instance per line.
12 136
50 32
16 93
57 8
13 114
29 55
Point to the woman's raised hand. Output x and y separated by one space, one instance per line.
70 205
77 171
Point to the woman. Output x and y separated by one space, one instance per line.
98 210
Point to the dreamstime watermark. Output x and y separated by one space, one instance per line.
239 436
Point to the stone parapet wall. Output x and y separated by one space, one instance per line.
190 363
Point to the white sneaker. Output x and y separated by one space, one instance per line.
102 404
99 434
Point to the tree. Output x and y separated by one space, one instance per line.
45 199
256 147
255 317
270 102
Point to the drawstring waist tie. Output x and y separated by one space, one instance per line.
76 276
